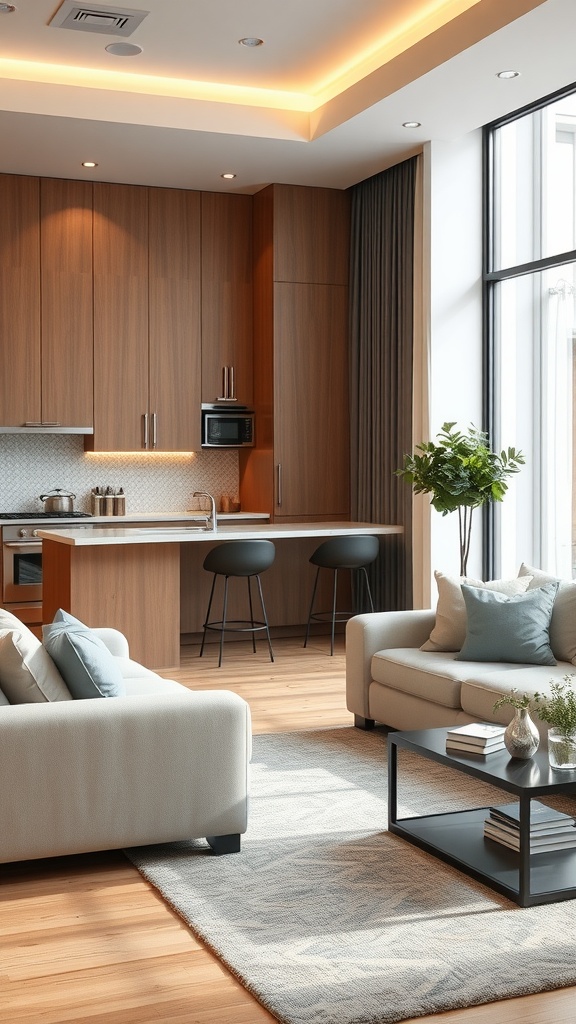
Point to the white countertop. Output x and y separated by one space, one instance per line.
97 537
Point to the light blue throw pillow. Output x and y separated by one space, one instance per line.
511 629
85 663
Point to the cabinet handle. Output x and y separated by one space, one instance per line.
145 430
232 390
154 430
279 484
227 385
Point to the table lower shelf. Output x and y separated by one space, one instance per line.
458 839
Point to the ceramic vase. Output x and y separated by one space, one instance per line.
561 750
521 738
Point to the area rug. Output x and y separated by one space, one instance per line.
328 919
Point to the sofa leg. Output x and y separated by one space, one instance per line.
225 844
363 723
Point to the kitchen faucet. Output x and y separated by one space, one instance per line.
211 519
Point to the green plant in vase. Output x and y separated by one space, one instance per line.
461 472
558 710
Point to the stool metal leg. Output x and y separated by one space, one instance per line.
248 579
224 611
265 617
369 592
207 619
334 611
311 606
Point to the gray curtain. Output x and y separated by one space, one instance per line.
381 334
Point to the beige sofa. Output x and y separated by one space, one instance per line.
390 679
160 763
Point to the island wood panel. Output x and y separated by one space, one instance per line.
67 312
20 379
311 429
120 317
174 328
311 234
133 588
227 294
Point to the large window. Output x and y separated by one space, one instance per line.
530 281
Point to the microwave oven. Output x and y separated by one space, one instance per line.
227 428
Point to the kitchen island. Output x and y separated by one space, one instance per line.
131 578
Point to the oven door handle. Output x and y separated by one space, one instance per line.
24 545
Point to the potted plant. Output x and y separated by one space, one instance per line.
558 710
461 472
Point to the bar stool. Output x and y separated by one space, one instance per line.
353 553
246 558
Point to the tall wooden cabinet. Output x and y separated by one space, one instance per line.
146 319
45 302
300 466
226 298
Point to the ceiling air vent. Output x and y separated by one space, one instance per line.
111 21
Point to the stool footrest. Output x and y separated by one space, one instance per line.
236 626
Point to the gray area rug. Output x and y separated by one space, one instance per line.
328 919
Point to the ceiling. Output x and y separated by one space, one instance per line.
321 102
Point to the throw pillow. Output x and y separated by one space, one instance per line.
563 621
510 629
27 673
449 630
83 659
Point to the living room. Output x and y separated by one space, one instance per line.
88 938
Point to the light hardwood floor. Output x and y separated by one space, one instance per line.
87 940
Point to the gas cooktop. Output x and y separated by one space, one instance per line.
45 515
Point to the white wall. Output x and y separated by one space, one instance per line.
452 213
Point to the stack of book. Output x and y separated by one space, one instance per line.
475 738
549 829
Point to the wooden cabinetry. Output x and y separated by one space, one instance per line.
300 465
226 298
146 319
45 302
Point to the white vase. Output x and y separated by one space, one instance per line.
561 750
521 738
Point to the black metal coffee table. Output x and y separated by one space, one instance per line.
457 837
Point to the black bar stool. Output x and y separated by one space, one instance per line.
238 558
353 553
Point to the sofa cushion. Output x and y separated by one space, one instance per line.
501 628
27 673
434 676
481 689
449 630
149 682
83 659
563 621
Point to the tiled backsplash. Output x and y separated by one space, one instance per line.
33 465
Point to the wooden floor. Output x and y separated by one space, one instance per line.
85 939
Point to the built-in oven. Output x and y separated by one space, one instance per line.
22 556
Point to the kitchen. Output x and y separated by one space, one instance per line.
144 303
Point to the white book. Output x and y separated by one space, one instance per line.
479 732
456 747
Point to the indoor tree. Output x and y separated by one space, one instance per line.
461 472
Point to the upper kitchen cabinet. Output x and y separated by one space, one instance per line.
20 397
66 306
300 465
146 319
226 298
45 303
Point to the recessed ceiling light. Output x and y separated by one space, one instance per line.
508 74
251 41
123 49
7 8
411 124
228 175
89 163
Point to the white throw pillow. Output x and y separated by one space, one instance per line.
449 631
27 673
563 621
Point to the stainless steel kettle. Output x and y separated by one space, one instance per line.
58 501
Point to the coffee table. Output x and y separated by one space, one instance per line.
457 837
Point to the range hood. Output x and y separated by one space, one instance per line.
45 428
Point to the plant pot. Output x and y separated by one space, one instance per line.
521 738
562 750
